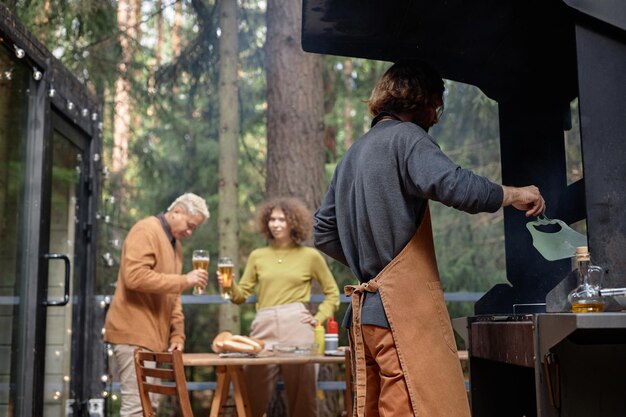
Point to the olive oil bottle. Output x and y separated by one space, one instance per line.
586 297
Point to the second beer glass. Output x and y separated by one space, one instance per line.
200 260
225 266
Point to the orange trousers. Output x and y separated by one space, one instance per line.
386 391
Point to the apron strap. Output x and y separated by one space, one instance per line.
357 292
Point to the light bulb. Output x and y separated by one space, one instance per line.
19 52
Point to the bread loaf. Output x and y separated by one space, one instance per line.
227 342
234 346
218 342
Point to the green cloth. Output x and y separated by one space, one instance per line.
277 283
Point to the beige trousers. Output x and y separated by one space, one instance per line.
281 325
131 402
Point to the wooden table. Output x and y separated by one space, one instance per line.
230 370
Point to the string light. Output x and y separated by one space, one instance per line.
70 105
108 258
19 52
37 75
85 112
52 92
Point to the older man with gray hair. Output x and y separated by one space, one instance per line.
146 311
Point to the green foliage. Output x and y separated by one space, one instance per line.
82 34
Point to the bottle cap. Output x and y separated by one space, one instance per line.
582 253
332 326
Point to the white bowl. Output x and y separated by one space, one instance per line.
295 350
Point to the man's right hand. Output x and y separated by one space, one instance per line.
527 199
197 277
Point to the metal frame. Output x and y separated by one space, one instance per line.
47 112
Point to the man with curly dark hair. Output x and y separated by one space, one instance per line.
375 219
281 275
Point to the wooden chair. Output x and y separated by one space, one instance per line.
170 374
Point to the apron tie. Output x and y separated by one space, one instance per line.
357 292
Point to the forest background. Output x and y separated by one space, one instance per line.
216 97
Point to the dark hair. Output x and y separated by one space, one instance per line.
297 214
407 86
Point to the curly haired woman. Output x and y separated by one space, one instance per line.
281 275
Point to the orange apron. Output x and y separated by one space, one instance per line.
411 293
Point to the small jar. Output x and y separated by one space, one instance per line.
331 342
586 297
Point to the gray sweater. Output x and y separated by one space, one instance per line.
377 198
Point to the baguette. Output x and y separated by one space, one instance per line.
255 343
218 342
234 346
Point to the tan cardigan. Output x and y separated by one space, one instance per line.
146 310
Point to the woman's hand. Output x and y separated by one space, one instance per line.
308 318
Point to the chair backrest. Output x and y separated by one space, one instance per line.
169 373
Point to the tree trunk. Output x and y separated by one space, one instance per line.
127 22
348 109
295 123
158 48
176 38
229 150
295 117
42 22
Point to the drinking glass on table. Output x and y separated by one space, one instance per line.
200 260
225 267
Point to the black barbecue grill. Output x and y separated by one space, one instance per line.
533 57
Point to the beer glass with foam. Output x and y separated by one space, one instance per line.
200 260
225 267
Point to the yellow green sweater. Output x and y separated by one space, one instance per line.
146 310
288 281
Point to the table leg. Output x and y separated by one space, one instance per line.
220 396
240 391
348 393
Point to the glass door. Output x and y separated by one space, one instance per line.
65 297
50 343
14 106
